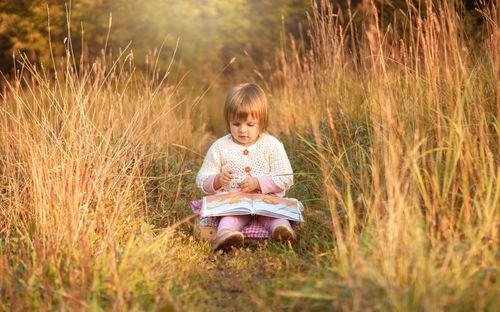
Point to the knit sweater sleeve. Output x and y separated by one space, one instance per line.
281 170
211 166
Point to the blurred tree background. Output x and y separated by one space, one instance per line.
209 33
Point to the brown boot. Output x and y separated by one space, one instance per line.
283 233
226 239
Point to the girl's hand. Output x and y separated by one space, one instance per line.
249 185
223 179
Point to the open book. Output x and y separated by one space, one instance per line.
239 203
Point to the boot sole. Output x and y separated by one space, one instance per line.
231 241
282 234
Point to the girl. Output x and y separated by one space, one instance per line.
247 160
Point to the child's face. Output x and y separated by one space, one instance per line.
245 132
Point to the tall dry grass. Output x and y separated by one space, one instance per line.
403 127
80 145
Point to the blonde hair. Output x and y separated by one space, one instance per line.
244 100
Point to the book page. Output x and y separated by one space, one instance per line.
226 204
276 207
239 203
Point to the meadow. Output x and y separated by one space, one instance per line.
394 139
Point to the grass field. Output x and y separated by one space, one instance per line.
394 140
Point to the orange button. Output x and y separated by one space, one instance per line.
245 152
248 169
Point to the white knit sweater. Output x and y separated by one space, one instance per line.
266 157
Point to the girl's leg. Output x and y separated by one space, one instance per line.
271 223
280 229
228 232
234 223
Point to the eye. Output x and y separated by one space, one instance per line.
236 124
251 124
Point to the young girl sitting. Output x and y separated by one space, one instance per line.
246 160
